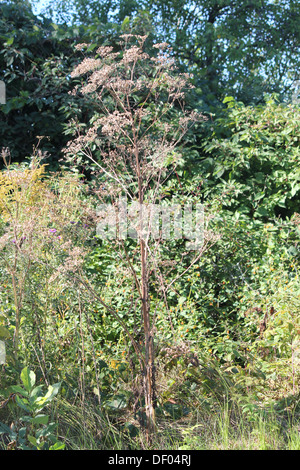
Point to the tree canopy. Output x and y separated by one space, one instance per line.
241 48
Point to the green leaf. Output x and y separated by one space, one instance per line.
32 440
20 390
51 393
22 432
295 189
4 429
40 419
28 378
57 446
36 391
4 333
118 402
228 99
23 403
10 41
92 47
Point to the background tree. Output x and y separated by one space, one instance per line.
36 60
243 49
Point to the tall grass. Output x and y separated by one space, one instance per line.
226 427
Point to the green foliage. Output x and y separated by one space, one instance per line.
39 231
260 55
237 47
32 431
36 59
253 162
86 12
37 56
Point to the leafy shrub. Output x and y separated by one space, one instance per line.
32 431
254 159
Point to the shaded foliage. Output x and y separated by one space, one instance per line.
36 59
253 156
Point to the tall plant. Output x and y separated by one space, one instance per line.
38 242
134 142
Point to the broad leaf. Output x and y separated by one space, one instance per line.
28 378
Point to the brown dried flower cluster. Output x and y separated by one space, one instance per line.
115 123
87 65
134 54
161 45
72 264
136 137
98 78
104 51
81 46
